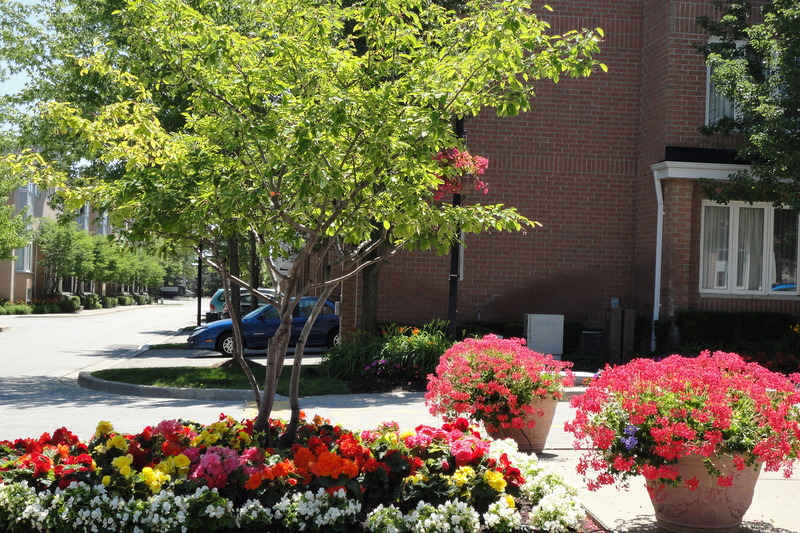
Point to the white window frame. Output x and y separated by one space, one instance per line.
733 244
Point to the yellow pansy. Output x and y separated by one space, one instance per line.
495 480
103 428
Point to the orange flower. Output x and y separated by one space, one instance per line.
253 482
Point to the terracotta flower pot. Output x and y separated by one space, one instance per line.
710 507
531 439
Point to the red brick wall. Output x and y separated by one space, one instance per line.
580 163
570 164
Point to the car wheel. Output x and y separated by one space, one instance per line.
225 344
334 339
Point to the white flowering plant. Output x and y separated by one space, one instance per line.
180 476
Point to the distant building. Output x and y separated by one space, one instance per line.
22 279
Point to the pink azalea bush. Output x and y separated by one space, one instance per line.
456 164
495 381
641 417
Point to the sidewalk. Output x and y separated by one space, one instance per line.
775 507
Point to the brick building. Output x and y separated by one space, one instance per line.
609 165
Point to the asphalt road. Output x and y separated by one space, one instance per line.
41 356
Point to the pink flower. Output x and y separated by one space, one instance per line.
494 381
715 403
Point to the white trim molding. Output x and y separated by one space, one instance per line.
688 170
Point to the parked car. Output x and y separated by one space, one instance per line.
218 303
260 325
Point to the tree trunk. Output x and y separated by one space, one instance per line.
369 298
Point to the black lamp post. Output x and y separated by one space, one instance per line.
455 258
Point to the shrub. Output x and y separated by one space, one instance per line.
18 308
70 304
142 299
348 360
44 308
399 353
108 302
416 350
124 300
697 327
91 301
762 326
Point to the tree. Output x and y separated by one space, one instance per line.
310 126
13 226
756 67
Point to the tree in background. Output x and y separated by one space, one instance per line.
13 225
311 127
756 66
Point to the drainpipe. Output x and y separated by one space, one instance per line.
659 245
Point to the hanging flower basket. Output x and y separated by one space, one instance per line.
461 173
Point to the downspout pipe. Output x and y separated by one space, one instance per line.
659 255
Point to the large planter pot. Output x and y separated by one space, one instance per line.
710 507
531 439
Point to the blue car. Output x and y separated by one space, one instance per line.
260 325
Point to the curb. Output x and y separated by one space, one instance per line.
87 381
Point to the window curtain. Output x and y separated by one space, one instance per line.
750 260
715 247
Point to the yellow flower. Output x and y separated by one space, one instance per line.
154 479
417 478
182 463
123 464
205 436
106 480
103 429
510 501
407 433
119 442
495 480
245 437
462 476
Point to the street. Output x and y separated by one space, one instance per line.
41 356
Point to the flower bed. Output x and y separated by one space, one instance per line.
183 476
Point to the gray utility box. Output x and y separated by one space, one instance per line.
545 334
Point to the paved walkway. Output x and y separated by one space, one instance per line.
775 509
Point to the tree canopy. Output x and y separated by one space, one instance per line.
757 67
312 126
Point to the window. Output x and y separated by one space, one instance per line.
748 249
719 106
24 258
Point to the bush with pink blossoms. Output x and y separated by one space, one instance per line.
494 381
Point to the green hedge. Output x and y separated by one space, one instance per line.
724 327
70 304
91 300
124 300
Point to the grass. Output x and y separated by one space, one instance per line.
311 383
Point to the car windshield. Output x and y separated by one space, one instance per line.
268 310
